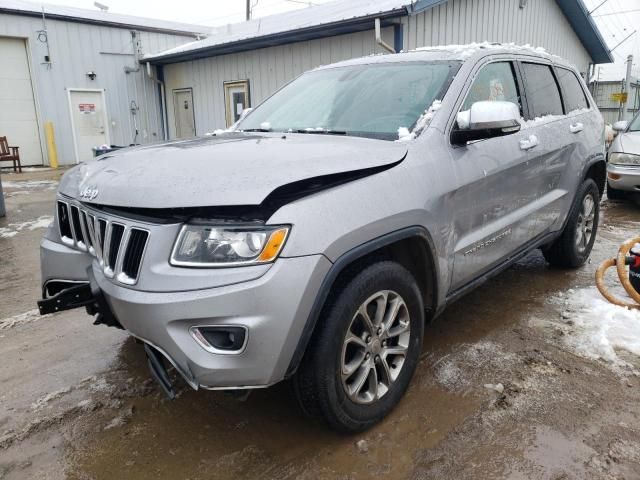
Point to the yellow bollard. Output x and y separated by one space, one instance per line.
51 144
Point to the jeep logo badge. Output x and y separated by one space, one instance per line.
89 193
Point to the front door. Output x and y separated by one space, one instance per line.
89 122
183 112
494 200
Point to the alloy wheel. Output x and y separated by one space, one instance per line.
375 347
585 223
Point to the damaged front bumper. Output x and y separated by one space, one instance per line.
272 310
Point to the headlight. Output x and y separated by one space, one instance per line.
226 246
624 159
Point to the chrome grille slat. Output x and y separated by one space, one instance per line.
118 246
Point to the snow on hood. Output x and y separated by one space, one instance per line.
222 170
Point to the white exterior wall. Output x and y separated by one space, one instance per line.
540 23
77 48
267 70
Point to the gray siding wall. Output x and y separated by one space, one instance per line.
540 23
77 48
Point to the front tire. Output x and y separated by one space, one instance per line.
574 245
365 350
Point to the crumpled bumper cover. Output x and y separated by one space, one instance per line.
274 309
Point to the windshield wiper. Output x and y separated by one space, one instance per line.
257 130
321 131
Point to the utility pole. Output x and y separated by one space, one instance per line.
627 89
248 10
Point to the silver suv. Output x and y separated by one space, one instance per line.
315 239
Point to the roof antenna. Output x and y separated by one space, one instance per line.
101 6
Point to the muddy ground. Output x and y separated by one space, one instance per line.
502 390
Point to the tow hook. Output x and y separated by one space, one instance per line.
86 295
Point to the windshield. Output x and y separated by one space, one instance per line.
635 124
372 100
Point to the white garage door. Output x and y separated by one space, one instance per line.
17 109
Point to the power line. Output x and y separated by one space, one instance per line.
621 12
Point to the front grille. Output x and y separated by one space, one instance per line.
133 255
119 248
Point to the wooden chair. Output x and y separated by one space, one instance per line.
10 154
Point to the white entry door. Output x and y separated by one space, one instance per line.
18 121
89 118
183 112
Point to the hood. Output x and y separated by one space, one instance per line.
629 142
225 170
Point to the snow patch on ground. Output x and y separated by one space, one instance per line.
12 229
31 185
20 319
598 329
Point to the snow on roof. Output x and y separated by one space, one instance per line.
314 16
96 16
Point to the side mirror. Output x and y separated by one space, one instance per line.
620 126
486 120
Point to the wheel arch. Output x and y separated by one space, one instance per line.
402 246
596 169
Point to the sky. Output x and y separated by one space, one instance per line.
615 18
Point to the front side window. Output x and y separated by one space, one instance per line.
372 100
543 96
574 97
494 82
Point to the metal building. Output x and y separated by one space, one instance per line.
607 95
209 82
79 70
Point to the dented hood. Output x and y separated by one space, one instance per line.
230 169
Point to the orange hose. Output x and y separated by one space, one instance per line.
619 263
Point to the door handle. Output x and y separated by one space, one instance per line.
576 127
529 143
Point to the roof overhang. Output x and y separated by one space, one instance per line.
102 22
574 10
282 38
586 30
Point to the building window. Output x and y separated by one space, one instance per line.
236 99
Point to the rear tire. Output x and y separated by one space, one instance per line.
615 194
574 245
355 371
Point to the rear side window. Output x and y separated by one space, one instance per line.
543 96
574 97
495 82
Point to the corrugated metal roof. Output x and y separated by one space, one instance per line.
21 7
345 16
332 14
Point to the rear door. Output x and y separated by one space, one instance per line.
548 123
